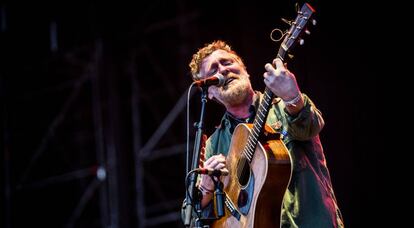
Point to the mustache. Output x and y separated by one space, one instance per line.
230 78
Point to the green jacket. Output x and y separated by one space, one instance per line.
309 200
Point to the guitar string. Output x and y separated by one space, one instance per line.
253 136
250 147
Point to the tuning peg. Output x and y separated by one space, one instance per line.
313 22
290 56
287 21
301 41
307 32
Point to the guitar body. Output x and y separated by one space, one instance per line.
258 199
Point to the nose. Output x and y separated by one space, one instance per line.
223 70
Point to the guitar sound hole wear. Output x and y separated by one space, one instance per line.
243 169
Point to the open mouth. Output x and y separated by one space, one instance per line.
228 81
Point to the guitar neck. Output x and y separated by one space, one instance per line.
261 115
258 123
282 52
291 36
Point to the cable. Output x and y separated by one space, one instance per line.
188 129
188 143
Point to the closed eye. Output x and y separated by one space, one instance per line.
226 62
213 70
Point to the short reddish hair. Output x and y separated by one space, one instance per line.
202 53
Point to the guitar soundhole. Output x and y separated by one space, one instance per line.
243 171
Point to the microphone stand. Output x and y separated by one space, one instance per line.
193 195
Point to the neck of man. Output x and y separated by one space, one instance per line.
242 110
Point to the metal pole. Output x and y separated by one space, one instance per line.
99 138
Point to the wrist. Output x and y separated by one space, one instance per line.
205 190
293 102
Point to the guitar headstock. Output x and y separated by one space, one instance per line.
297 28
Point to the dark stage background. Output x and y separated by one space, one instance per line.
94 95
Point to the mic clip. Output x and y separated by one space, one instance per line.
212 172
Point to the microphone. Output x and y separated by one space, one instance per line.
213 172
217 80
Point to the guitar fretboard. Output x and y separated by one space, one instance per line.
258 124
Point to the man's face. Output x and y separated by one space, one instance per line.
237 84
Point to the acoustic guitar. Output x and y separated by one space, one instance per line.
258 161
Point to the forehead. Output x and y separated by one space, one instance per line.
216 55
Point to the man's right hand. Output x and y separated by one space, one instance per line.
214 162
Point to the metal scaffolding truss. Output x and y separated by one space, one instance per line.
149 153
97 176
100 175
